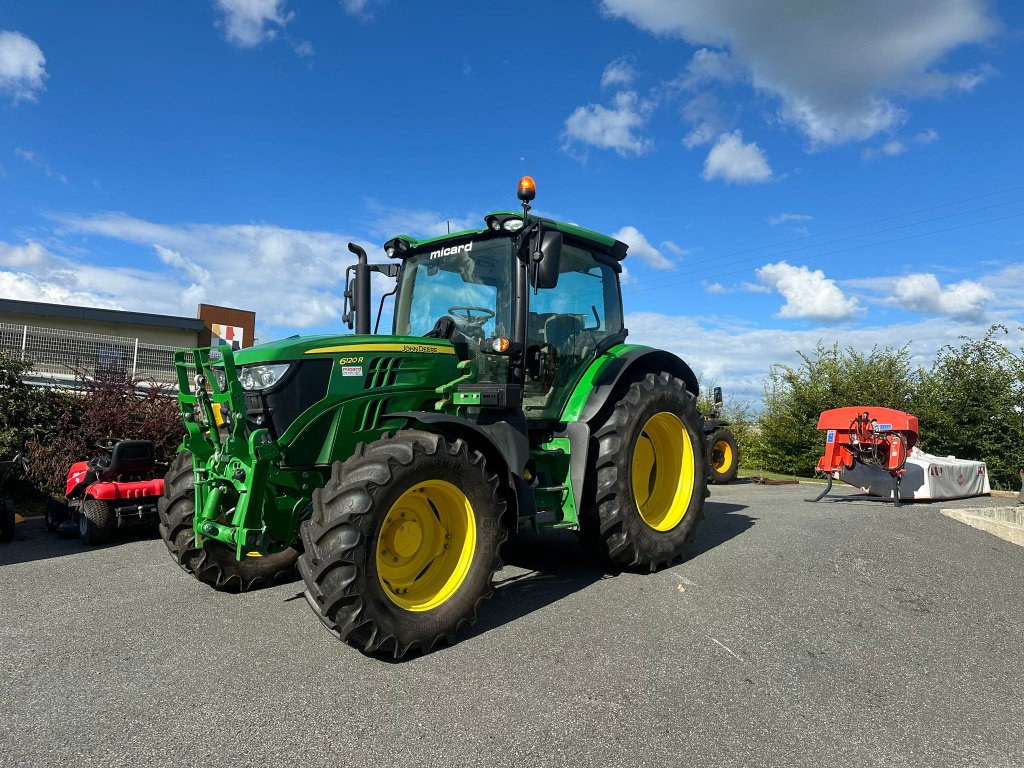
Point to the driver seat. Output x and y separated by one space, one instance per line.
128 457
447 328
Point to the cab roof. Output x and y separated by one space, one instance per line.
609 245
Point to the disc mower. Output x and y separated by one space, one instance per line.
723 453
880 437
116 489
391 468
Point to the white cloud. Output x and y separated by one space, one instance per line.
33 158
22 67
247 23
360 8
709 66
895 147
707 117
612 127
388 222
735 162
922 293
808 293
738 357
835 69
672 248
29 255
292 278
642 249
785 218
620 73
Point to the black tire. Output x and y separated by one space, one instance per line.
613 527
8 522
340 559
56 513
723 457
96 522
214 563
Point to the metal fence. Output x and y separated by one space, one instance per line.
63 355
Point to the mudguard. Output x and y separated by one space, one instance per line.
593 391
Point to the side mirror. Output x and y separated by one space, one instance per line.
716 395
546 259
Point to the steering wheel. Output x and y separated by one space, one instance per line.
467 314
108 443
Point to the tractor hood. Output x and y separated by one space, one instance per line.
305 347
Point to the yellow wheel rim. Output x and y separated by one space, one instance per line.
426 545
663 471
721 454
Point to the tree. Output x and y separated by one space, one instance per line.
971 405
110 405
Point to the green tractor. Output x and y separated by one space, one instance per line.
723 451
390 468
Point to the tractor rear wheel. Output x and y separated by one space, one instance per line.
650 476
403 542
213 563
723 457
96 522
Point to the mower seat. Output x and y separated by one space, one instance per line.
129 457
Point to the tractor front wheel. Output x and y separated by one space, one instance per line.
723 457
650 476
213 563
403 542
96 522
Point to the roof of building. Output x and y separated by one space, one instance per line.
42 309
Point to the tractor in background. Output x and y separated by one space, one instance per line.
723 459
391 468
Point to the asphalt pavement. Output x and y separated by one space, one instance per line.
844 633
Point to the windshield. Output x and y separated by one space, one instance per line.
470 282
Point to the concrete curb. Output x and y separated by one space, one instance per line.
1005 522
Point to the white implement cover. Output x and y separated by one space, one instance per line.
927 477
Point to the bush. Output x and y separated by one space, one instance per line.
970 406
109 405
25 409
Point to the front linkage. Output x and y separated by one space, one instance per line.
243 499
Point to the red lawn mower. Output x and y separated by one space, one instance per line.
115 490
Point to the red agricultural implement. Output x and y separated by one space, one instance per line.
880 437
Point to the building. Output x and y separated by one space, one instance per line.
65 343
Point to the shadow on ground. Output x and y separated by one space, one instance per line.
557 566
32 541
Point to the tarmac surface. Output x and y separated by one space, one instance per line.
844 633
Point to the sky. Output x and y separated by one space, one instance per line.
784 172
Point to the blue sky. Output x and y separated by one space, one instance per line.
784 172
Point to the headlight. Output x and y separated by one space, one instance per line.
222 379
253 377
512 225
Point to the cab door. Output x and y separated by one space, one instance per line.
564 327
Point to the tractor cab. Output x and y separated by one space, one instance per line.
531 301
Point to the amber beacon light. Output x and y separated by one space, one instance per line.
527 189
